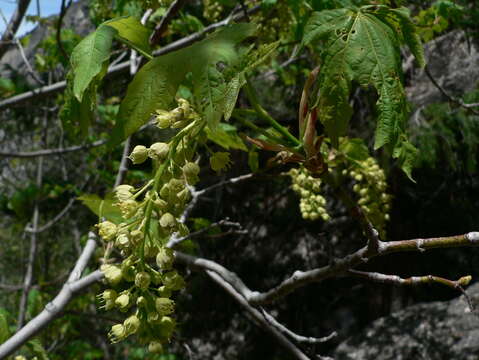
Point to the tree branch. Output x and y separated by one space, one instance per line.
225 222
160 29
416 281
451 98
410 281
259 319
50 152
74 285
58 35
13 25
223 183
22 54
301 278
53 221
294 336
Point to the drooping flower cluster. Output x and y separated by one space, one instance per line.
370 186
312 203
212 9
150 217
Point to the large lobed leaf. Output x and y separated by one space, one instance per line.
363 45
215 85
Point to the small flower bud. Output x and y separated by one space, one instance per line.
161 204
153 317
184 105
164 306
165 258
155 347
107 230
167 220
128 272
142 280
124 192
109 304
136 236
184 195
220 161
173 281
163 119
165 191
108 295
139 154
112 273
122 301
158 151
176 185
117 333
150 250
122 241
128 207
191 169
131 324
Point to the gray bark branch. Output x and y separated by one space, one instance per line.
74 285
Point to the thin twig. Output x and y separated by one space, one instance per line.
223 183
410 281
225 222
50 152
15 40
53 221
63 10
293 335
451 98
13 25
293 349
160 29
416 281
27 283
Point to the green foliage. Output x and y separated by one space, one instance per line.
103 207
155 85
89 62
50 54
449 137
354 149
4 328
362 45
226 135
37 349
130 31
90 57
7 87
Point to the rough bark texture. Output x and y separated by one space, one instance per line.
434 331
